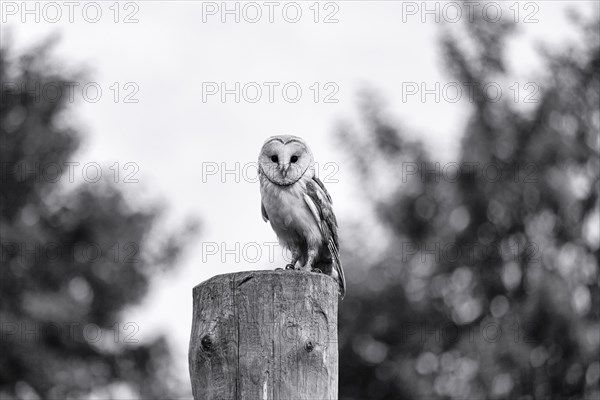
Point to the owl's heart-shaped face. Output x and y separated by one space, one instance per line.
285 159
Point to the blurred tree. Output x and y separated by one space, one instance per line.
489 287
72 261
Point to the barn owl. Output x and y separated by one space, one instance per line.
298 207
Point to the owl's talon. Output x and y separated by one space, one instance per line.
278 269
316 271
289 267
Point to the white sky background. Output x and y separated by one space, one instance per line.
171 132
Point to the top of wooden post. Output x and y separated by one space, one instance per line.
289 277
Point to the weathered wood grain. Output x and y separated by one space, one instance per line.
265 335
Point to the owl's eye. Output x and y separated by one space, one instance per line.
294 159
274 158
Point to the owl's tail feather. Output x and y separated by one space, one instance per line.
337 265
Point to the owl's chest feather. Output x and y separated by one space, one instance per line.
288 213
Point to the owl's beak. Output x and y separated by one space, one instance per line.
284 169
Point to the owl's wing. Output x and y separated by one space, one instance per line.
319 202
322 186
264 212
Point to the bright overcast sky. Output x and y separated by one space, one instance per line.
180 51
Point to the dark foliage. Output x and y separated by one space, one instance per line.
72 258
489 287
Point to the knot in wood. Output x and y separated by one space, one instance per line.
206 343
309 346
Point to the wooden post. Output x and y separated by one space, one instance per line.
265 335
